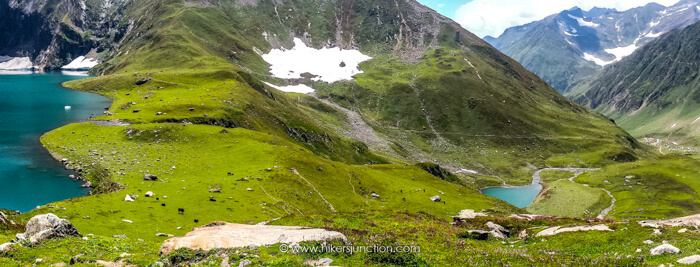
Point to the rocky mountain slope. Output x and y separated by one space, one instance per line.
50 34
567 48
653 92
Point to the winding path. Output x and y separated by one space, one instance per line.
578 171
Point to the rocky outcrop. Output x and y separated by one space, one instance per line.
4 220
229 235
688 221
46 226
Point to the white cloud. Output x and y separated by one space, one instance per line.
492 17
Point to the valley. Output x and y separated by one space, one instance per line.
390 123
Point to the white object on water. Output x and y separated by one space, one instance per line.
67 107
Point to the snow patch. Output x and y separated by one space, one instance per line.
81 63
325 63
652 24
621 52
300 88
466 171
674 125
653 35
16 63
596 60
582 22
74 73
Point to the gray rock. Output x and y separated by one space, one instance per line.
215 190
47 226
436 198
497 230
150 177
149 194
689 260
4 220
244 263
665 248
128 198
375 195
143 81
319 262
5 247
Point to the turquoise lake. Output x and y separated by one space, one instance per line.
32 104
520 197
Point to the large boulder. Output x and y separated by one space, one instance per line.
229 235
47 226
689 260
665 248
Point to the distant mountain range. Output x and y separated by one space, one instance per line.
653 92
566 48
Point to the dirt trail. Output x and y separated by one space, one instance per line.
360 131
577 172
314 188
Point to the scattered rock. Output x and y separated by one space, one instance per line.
128 198
467 215
228 235
47 226
143 81
319 262
435 198
4 220
215 190
6 247
665 248
656 232
497 230
682 230
149 194
119 236
249 189
638 250
522 234
224 262
150 177
374 195
558 229
689 260
136 111
244 263
127 221
648 242
161 234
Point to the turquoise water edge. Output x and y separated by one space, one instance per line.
32 104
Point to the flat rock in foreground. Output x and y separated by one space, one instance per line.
558 229
229 235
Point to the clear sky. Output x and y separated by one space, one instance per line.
492 17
